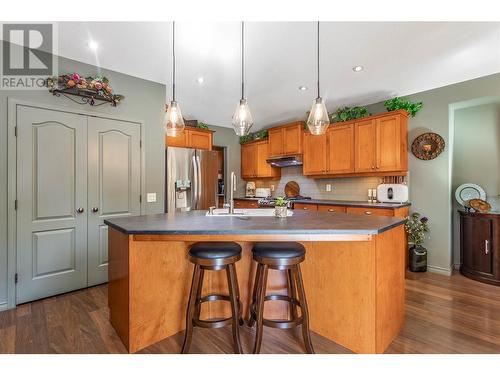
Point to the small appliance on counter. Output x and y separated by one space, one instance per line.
392 193
250 190
262 192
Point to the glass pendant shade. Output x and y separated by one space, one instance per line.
174 123
318 120
242 118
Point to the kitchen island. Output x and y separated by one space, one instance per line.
353 273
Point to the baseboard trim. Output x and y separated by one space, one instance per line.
3 306
440 270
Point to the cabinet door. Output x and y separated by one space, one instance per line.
199 140
242 203
292 136
477 244
315 159
275 142
179 141
114 185
264 169
341 149
51 236
388 136
365 146
248 161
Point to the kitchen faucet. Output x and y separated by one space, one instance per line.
231 193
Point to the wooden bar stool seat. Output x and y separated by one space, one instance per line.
214 256
283 256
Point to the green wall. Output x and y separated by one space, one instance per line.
144 100
430 181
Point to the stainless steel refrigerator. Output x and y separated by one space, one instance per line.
191 179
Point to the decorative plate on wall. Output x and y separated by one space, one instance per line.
427 146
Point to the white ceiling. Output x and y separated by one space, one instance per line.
399 59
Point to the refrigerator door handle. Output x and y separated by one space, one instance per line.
194 189
198 163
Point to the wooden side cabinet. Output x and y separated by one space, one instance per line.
192 138
479 246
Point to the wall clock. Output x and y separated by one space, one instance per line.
427 146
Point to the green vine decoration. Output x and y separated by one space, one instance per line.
348 114
397 103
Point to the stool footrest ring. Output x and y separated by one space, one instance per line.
282 324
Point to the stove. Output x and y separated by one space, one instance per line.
270 201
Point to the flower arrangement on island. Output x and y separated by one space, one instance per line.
98 85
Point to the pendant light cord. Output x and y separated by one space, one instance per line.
318 59
173 61
242 60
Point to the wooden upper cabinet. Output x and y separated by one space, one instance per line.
200 140
365 146
340 144
192 138
275 142
292 139
253 161
315 154
248 160
286 139
264 169
391 148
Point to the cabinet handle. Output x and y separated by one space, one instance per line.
80 210
373 167
95 209
331 210
305 208
368 212
486 247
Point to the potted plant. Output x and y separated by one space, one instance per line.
399 103
281 207
417 227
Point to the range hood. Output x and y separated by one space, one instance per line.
285 161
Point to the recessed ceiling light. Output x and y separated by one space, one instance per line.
358 68
93 45
302 88
200 80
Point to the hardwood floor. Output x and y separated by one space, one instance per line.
443 315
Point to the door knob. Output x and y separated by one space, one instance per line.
80 210
95 209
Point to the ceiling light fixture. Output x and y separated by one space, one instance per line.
302 88
200 80
318 120
358 68
174 123
93 45
242 118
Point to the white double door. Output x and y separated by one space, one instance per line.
73 171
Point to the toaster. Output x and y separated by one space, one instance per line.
392 193
262 192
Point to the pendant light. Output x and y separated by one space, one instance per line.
318 120
242 119
174 123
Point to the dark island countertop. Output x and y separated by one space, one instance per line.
197 223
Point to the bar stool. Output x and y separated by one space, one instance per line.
283 256
213 256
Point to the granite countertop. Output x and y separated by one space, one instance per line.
353 203
196 222
341 203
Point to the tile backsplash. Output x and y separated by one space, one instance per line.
353 188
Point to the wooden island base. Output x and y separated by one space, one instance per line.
354 286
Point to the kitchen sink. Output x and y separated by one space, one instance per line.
246 212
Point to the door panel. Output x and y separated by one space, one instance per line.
200 140
180 167
324 208
275 142
475 232
51 186
341 149
248 160
114 184
207 196
388 143
292 139
365 146
315 159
